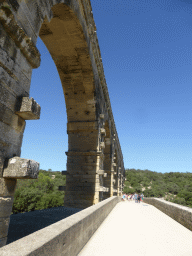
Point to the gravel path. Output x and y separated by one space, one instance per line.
23 224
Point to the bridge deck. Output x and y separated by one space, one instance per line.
139 230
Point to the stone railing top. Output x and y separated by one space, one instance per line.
170 203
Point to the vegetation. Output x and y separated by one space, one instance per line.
175 187
43 193
39 194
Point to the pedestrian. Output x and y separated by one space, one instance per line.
142 196
123 197
139 198
136 197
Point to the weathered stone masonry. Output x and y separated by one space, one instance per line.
95 168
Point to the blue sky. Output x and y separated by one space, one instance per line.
146 48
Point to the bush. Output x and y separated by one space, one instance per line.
39 194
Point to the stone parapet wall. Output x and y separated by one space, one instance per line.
66 237
181 214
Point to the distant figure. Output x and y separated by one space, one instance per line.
136 197
139 198
123 197
142 196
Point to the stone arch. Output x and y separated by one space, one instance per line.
66 41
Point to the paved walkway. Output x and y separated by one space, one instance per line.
139 230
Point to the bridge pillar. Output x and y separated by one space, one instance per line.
108 180
84 159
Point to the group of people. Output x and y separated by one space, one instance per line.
137 197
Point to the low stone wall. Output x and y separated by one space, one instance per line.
181 214
66 237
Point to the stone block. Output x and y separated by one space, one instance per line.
101 116
102 144
105 175
7 187
100 172
6 204
29 109
102 131
4 225
3 241
1 164
108 141
20 168
103 189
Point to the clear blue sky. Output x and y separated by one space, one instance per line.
146 48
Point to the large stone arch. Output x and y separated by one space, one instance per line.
68 30
66 41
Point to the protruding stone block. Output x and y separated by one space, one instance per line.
29 109
62 188
102 116
102 144
105 175
103 189
20 168
100 172
114 164
103 132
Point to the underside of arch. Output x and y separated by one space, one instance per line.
65 40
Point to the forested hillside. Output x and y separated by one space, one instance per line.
174 186
39 194
43 193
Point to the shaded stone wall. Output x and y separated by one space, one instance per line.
66 237
68 30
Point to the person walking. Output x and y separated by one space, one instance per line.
142 197
136 197
139 198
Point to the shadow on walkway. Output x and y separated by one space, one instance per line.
23 224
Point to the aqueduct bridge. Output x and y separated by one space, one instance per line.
95 168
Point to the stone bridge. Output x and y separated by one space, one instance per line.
95 168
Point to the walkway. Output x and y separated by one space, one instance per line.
139 230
